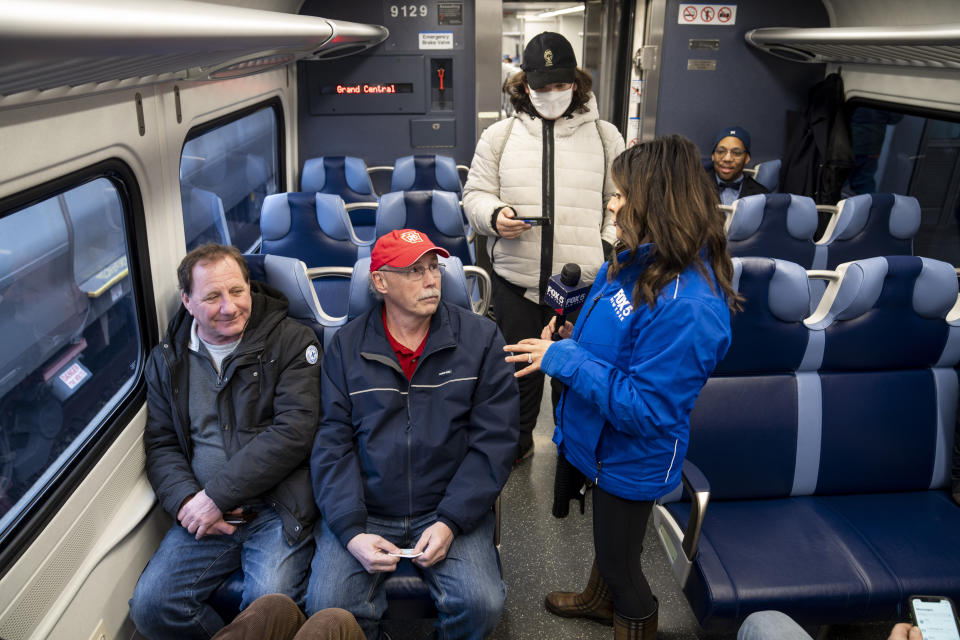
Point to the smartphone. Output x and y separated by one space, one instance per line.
936 617
536 220
236 519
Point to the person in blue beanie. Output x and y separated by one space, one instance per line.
731 153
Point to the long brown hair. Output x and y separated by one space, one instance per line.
668 200
515 87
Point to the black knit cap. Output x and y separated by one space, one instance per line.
548 58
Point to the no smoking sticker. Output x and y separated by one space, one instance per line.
718 15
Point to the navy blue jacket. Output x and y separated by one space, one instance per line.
443 441
632 376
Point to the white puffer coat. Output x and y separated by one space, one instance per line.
508 170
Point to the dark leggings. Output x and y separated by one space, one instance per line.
618 529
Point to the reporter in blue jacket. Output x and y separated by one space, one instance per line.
654 325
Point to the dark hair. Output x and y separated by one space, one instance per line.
210 252
669 201
515 87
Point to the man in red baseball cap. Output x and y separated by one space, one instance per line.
418 435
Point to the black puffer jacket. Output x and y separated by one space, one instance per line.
268 409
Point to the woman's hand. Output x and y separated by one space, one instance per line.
565 331
529 350
507 224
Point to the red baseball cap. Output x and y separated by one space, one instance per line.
401 248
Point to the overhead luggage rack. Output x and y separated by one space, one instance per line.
54 48
935 46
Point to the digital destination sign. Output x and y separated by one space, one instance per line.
366 88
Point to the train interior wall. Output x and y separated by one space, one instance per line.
747 86
423 118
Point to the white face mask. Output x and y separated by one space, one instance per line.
551 104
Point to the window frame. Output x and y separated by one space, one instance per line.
274 103
38 513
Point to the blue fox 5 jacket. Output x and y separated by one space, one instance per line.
632 375
443 441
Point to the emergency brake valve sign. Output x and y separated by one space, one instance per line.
715 15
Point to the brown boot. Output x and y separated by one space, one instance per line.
596 601
635 628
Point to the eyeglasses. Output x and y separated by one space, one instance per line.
736 153
417 271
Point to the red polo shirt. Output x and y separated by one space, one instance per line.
408 359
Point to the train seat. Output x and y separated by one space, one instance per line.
426 172
776 225
203 217
289 277
877 224
347 177
314 228
766 173
435 213
828 503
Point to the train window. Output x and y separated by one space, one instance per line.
226 171
71 347
915 154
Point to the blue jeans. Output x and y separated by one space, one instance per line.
771 625
466 586
170 598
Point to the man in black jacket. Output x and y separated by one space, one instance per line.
419 431
731 153
232 407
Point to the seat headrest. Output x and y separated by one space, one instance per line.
453 287
901 214
879 301
279 209
289 277
800 213
424 173
397 207
769 334
337 174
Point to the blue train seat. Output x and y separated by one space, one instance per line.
289 277
347 177
826 493
426 173
776 225
203 217
314 228
767 173
877 224
436 213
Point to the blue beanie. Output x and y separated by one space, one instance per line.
737 132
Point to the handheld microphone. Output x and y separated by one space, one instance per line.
565 294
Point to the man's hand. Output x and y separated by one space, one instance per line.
434 543
904 631
372 551
200 516
508 226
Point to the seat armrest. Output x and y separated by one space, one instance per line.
485 287
682 546
696 486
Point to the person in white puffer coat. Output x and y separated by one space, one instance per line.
549 164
